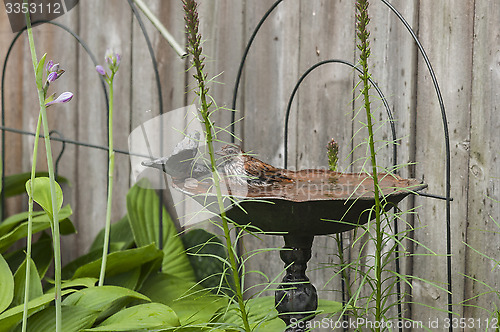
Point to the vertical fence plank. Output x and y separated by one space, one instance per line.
445 30
392 64
484 168
271 71
104 24
144 99
13 103
324 111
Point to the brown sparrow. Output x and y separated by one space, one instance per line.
242 169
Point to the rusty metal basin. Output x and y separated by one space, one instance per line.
318 202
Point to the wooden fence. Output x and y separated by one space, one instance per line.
462 40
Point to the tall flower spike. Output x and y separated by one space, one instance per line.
333 154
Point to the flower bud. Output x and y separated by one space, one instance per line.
100 70
63 98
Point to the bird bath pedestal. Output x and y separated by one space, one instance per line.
318 202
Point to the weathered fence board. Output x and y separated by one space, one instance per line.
446 32
482 233
107 25
270 73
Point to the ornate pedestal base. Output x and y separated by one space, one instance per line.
296 297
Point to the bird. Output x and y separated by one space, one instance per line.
181 163
243 169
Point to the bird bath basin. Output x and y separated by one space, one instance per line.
317 202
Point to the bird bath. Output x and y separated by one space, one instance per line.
318 202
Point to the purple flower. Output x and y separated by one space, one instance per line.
49 65
63 98
54 68
100 70
52 77
113 59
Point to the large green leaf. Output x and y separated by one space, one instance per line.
103 299
43 196
40 223
69 269
191 302
127 279
8 224
16 184
6 285
143 206
41 254
329 307
20 283
120 261
39 70
79 283
74 319
207 254
12 316
120 232
142 316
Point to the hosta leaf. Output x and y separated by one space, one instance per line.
40 223
16 184
6 285
207 254
142 316
120 233
39 70
120 261
144 217
43 196
12 316
69 269
20 283
41 253
74 319
101 298
191 302
8 224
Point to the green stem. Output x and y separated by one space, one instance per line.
111 155
50 167
363 34
30 226
216 178
194 41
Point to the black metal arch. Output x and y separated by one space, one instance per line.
443 115
347 63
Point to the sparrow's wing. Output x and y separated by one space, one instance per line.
264 172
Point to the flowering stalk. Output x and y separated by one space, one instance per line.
363 34
53 72
113 61
194 47
333 155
